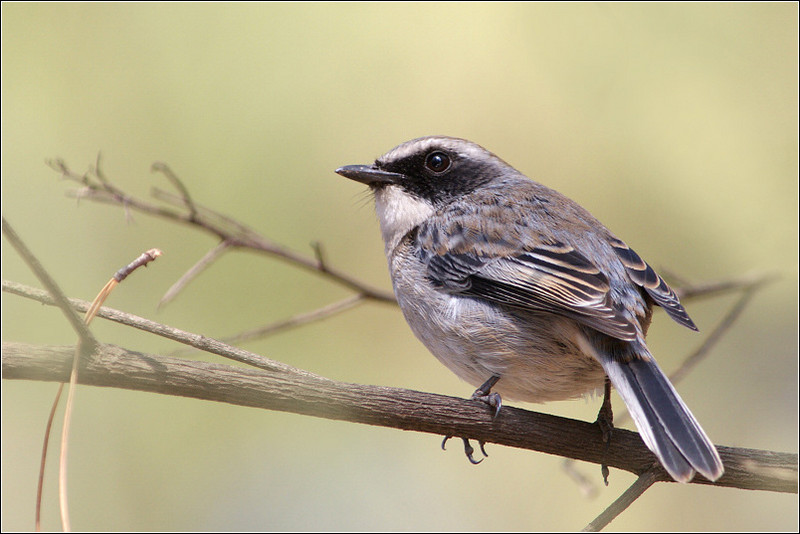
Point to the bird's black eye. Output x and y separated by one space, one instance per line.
437 162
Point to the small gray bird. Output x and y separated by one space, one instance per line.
514 286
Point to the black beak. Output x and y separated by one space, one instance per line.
369 174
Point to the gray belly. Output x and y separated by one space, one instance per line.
537 356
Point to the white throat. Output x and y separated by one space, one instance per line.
398 212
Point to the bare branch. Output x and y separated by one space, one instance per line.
281 387
709 289
194 340
241 236
724 325
208 220
304 393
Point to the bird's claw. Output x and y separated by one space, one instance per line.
469 450
484 394
494 400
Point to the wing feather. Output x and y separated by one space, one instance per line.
551 278
644 275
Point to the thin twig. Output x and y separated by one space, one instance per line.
298 320
181 336
86 343
319 253
194 271
63 504
642 484
711 340
99 172
286 324
586 486
241 236
716 287
52 287
691 361
164 169
237 234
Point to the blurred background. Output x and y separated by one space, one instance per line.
676 125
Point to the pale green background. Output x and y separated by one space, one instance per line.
674 124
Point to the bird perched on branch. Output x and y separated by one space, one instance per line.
516 288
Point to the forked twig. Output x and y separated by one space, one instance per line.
101 297
164 169
86 343
226 228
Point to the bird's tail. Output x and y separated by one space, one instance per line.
665 423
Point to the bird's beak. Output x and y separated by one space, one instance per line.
369 174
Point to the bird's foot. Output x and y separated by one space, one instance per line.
484 394
469 450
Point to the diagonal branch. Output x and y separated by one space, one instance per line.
164 169
637 489
52 287
188 338
195 270
304 393
297 320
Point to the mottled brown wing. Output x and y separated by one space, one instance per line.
552 278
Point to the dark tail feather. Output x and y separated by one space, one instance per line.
666 425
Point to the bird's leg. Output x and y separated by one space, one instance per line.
605 417
484 394
605 420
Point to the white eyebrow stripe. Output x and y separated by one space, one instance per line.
462 147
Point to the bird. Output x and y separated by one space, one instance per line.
518 289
